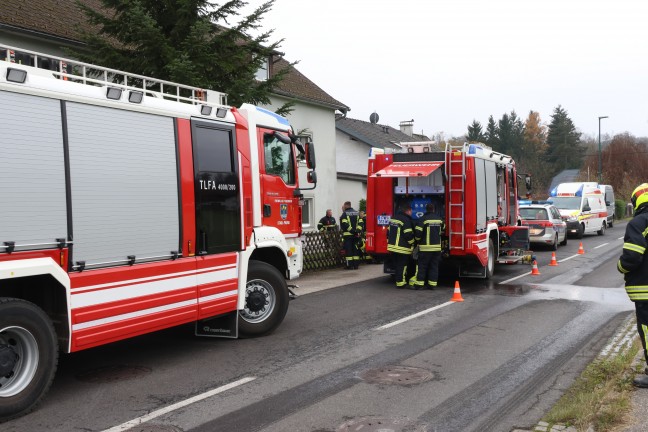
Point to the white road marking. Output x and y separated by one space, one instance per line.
604 244
150 416
418 314
620 238
514 278
568 258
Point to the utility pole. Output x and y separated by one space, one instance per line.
600 170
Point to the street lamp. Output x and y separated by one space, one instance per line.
600 170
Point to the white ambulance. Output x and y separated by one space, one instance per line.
582 206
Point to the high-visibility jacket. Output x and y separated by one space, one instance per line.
428 233
633 262
400 238
326 223
350 223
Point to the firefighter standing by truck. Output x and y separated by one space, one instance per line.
400 242
427 235
633 263
327 222
351 226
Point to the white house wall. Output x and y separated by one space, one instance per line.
351 155
351 158
320 122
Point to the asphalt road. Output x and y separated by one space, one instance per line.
356 356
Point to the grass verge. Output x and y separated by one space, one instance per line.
600 397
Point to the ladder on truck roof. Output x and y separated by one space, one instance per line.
455 173
89 74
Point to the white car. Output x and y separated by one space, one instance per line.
545 224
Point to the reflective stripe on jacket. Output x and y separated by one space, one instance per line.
326 223
428 233
350 223
633 262
400 238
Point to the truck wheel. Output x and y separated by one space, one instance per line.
581 231
490 264
602 230
266 300
28 356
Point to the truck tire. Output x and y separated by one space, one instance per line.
490 264
266 300
28 356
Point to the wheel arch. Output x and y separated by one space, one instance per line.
45 284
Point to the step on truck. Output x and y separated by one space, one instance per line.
473 187
130 205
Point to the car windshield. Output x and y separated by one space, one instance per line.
533 213
566 203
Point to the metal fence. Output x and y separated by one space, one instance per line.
322 250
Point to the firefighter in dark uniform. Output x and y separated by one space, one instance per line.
400 242
634 266
351 227
427 235
327 222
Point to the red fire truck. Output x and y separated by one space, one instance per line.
131 205
473 187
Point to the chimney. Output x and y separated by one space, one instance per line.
407 127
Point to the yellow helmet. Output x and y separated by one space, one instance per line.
639 195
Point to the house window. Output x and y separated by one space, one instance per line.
307 214
262 72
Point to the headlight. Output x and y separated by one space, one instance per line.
572 219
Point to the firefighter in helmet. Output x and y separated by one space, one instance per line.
633 263
400 242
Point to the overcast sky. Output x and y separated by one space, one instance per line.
444 63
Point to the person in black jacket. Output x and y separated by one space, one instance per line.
400 242
633 263
351 226
427 235
327 222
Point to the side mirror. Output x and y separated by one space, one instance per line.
586 208
608 203
310 155
527 181
311 177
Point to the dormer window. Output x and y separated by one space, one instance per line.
262 72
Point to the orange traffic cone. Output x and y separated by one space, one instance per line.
534 270
553 259
581 251
456 297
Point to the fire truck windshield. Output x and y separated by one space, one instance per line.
566 203
279 158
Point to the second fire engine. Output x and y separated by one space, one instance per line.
473 187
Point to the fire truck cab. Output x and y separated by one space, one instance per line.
475 190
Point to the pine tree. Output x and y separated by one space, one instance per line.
475 132
184 41
504 133
564 150
491 135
